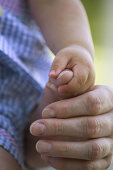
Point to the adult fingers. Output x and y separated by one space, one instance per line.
85 150
73 164
80 127
95 102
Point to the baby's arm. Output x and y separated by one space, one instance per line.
63 23
65 27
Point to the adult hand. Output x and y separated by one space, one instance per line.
89 117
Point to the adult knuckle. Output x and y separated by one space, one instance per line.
65 109
67 149
59 128
95 151
94 105
60 108
64 149
90 127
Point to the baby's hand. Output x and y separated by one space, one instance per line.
72 72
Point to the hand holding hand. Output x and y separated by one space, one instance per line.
81 77
88 117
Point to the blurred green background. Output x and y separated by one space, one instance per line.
100 14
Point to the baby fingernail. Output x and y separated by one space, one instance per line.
52 73
48 113
37 129
43 147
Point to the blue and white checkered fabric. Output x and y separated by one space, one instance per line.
24 67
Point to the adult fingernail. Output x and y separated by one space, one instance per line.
37 128
48 113
43 147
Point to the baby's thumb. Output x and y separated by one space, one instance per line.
64 77
59 64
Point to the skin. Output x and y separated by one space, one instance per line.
86 131
65 27
52 18
67 33
78 60
57 22
7 162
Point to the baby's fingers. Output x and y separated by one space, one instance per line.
80 83
59 64
64 77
